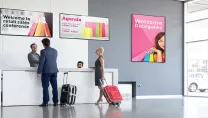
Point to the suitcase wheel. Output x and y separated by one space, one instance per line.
118 104
115 104
63 104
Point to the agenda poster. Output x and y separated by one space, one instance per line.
148 39
83 27
26 23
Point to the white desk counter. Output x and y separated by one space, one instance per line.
20 86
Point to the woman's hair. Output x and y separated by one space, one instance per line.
157 38
101 49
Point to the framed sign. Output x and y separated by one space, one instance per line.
26 23
148 38
83 27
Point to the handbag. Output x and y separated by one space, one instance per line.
149 57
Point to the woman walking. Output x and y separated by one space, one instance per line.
99 72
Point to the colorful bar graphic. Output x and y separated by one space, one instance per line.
103 30
32 29
87 32
96 29
93 26
100 29
39 29
106 30
47 30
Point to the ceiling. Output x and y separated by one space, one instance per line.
197 5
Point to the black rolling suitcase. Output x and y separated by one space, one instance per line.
68 92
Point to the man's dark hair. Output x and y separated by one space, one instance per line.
46 42
80 62
32 45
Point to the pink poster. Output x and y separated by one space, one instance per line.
148 39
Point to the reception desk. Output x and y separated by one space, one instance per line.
20 86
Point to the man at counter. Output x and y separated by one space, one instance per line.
80 64
33 56
47 70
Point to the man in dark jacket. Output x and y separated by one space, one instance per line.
47 70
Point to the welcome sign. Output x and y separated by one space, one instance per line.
26 23
83 27
148 38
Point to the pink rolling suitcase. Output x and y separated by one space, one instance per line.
112 94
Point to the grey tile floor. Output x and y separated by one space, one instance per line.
149 108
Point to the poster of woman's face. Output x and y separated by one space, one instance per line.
148 39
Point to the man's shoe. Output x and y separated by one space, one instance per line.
43 105
55 104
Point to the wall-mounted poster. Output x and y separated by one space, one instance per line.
26 23
148 39
84 27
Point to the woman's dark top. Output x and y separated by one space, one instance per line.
98 72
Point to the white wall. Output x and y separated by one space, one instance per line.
126 90
14 49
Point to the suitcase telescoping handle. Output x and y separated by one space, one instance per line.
65 77
104 80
